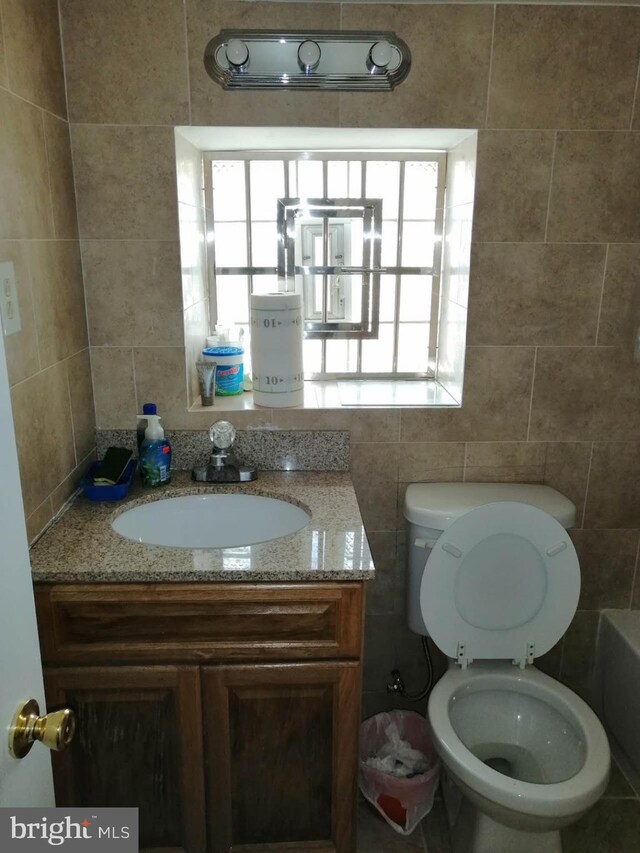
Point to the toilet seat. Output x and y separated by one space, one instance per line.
502 582
549 801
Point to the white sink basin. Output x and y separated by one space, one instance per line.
210 521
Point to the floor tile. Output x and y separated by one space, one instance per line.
612 826
436 829
376 836
619 786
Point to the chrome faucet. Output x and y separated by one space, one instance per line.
223 467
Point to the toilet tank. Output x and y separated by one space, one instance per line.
431 508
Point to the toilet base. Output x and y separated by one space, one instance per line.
472 831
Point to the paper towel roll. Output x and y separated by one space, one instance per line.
276 349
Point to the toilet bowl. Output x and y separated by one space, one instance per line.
525 749
494 580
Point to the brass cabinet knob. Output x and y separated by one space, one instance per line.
54 730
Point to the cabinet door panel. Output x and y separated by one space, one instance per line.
292 725
138 743
281 745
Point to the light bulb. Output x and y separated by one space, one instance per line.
379 55
237 53
308 56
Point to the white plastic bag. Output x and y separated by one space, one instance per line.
399 767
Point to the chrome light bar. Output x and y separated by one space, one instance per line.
346 61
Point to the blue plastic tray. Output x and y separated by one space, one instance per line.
108 493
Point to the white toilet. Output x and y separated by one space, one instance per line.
494 580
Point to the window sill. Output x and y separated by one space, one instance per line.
351 394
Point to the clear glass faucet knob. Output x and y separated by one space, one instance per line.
222 434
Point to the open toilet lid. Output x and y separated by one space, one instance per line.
503 581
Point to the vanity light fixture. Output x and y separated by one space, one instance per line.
346 61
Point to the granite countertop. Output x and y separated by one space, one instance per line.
81 546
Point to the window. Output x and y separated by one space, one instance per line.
358 234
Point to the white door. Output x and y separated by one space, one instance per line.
28 781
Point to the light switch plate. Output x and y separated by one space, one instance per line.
9 308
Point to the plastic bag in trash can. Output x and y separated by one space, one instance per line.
399 767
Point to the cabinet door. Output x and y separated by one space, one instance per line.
138 743
281 747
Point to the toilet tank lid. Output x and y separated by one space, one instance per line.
437 505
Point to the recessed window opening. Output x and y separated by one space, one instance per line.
358 234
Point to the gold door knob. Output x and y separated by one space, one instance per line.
54 730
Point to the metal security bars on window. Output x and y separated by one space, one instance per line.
329 260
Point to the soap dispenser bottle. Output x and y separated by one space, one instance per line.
155 454
147 409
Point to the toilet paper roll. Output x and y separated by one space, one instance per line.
276 349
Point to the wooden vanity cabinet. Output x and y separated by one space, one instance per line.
227 713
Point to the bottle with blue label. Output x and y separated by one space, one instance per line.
155 454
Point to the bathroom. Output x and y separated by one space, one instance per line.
91 92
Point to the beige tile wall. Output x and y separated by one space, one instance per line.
48 360
551 393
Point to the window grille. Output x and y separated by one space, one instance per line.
367 315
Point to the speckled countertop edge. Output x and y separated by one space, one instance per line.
82 547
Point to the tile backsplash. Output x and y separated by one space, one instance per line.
551 391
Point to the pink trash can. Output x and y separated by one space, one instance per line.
402 802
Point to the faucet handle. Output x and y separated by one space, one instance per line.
222 434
